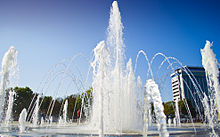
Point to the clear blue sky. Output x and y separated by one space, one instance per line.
46 31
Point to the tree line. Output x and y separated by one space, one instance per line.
26 98
170 107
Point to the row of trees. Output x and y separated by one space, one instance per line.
26 97
169 109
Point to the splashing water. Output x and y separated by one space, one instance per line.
100 72
114 87
147 115
210 64
208 114
22 120
65 112
8 117
120 103
153 90
36 113
63 120
9 68
115 35
177 113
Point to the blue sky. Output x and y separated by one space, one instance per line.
46 31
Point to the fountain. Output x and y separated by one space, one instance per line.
147 109
22 120
9 68
120 104
177 114
212 103
114 88
63 120
8 117
210 64
35 115
153 91
209 115
65 111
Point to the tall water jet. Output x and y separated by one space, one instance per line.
177 118
210 64
130 97
36 112
8 116
63 118
147 112
115 42
153 90
100 75
114 86
9 68
22 120
65 111
209 115
115 36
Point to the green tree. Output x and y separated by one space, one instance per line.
22 100
25 95
71 105
57 107
45 104
169 108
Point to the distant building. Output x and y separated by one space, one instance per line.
183 87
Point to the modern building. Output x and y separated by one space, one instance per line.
190 83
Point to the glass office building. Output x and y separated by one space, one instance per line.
190 83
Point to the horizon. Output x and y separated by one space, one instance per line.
46 32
